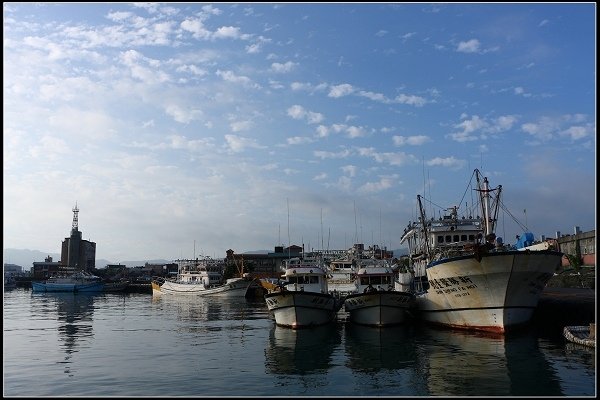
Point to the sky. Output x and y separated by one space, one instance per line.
189 129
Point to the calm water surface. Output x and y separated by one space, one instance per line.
66 344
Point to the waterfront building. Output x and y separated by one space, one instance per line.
263 265
579 244
43 270
12 270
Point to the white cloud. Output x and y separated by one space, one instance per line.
374 187
546 128
283 68
148 73
227 32
502 123
298 112
468 126
237 144
182 115
470 46
395 159
298 140
238 126
230 76
340 90
448 162
578 132
328 154
408 35
410 99
322 131
196 27
410 140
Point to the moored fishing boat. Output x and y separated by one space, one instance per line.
465 277
201 277
375 302
78 282
303 299
341 271
116 286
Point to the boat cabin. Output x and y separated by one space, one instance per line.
301 276
375 278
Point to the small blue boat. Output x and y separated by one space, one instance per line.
78 282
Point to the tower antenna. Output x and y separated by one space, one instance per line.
75 224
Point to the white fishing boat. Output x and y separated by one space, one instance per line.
341 273
80 281
201 277
375 301
303 300
465 277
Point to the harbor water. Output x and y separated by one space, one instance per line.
134 344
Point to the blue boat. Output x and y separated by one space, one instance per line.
78 282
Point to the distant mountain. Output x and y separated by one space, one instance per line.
400 252
25 258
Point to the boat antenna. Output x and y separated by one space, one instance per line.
288 228
322 245
355 225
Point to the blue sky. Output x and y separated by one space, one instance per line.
245 126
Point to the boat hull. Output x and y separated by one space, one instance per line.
495 293
300 309
232 288
379 308
67 287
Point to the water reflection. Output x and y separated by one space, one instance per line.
460 362
74 314
205 308
301 351
370 349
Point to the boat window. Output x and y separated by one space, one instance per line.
385 280
456 238
463 238
440 239
364 280
471 237
448 238
314 279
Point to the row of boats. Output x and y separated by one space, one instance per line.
80 281
459 274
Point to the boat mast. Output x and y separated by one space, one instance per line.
423 222
484 194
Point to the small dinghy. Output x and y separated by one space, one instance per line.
585 335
